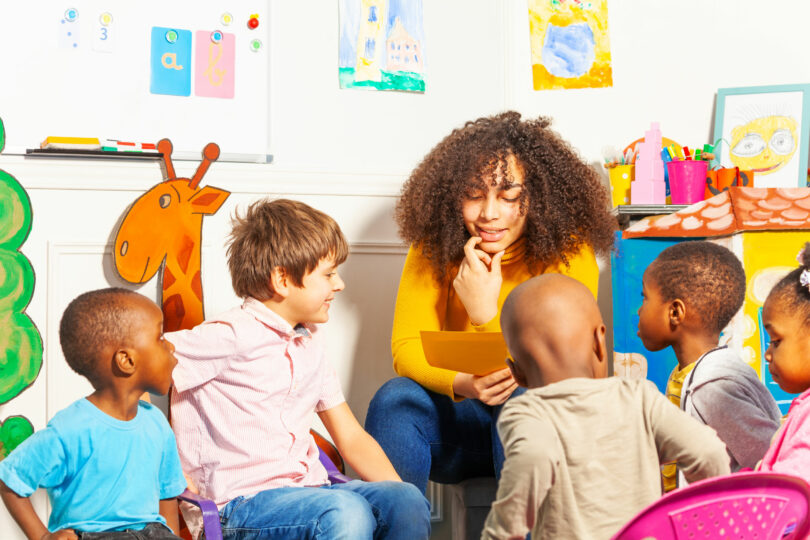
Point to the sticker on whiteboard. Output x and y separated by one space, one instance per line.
171 62
69 36
104 34
214 64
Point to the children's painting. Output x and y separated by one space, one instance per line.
765 130
20 341
163 229
570 44
382 45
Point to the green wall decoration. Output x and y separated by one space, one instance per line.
12 432
20 341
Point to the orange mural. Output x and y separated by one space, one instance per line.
165 226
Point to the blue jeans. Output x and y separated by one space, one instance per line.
356 510
429 436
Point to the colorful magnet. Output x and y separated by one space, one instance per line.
216 36
255 45
253 21
171 36
71 14
226 19
105 18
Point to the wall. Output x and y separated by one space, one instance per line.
347 152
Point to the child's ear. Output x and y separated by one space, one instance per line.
123 362
600 363
677 312
517 373
280 282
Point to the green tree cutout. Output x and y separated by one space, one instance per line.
20 342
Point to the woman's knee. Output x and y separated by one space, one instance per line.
399 396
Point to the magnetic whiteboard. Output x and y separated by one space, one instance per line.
96 82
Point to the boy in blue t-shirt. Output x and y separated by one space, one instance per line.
108 461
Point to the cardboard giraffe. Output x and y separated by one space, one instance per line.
165 225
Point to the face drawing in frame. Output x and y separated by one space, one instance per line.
763 132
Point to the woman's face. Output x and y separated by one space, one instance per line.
493 213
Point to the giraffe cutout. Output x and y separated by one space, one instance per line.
165 225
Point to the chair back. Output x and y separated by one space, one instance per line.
751 505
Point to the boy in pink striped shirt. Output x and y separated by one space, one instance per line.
248 380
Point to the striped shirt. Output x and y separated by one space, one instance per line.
245 388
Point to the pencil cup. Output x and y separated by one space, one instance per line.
687 180
620 177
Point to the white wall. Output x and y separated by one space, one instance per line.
347 152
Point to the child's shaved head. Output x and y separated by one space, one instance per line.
92 322
554 331
708 278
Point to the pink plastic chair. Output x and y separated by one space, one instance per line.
741 506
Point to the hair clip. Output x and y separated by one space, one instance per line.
804 279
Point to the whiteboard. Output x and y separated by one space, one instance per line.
97 81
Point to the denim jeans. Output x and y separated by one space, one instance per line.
429 436
153 531
356 510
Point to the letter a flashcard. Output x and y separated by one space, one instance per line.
214 63
171 61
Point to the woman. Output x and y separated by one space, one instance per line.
496 202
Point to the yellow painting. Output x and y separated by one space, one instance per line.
764 145
570 44
765 129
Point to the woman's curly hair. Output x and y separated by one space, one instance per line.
564 200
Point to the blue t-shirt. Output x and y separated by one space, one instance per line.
101 474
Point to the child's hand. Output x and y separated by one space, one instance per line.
478 282
62 534
492 389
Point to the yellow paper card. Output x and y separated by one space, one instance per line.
478 353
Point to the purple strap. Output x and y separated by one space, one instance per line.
335 476
210 514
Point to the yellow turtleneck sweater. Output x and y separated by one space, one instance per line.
425 304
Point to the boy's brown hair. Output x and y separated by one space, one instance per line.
284 234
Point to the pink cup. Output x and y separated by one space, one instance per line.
687 180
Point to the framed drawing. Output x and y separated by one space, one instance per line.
765 129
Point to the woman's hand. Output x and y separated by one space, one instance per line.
478 282
491 389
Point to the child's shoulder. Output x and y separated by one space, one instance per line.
722 363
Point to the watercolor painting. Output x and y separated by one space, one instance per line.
765 130
163 229
570 44
20 340
382 45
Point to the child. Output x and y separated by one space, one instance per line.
786 317
249 380
108 461
691 291
582 451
